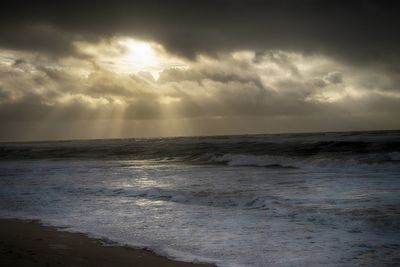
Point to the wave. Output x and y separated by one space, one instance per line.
371 161
222 199
227 199
271 148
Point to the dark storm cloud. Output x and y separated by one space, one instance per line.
357 31
42 38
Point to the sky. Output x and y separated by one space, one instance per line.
120 69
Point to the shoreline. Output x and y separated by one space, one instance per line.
29 243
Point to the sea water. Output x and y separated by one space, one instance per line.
329 199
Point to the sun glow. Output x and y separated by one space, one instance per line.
140 55
128 55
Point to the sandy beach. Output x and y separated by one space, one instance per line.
27 243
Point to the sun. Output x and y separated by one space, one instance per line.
140 55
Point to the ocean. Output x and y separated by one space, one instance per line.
320 199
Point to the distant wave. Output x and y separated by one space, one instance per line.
369 161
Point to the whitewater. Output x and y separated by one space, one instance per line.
320 199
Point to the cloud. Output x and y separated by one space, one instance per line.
357 32
228 86
244 91
334 77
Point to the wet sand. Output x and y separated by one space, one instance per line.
27 243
